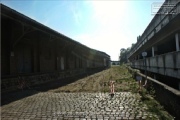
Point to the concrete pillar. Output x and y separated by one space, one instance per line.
177 39
152 51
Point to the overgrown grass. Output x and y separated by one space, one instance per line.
127 83
154 106
124 82
148 98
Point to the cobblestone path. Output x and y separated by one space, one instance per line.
78 106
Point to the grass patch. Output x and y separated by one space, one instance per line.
124 81
147 97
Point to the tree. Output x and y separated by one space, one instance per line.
123 55
138 38
113 63
132 45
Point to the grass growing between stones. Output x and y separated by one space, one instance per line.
127 83
154 106
124 82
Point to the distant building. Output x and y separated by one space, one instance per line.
115 63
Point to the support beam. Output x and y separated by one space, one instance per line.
152 51
25 31
177 39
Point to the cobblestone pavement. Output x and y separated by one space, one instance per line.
78 106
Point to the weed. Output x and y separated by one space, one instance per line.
124 81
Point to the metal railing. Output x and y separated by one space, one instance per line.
158 22
165 64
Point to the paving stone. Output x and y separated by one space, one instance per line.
48 105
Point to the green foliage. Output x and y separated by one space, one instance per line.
113 63
152 90
123 55
147 97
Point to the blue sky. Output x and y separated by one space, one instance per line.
105 25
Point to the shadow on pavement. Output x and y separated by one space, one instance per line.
9 97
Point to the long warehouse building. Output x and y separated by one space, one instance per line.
38 54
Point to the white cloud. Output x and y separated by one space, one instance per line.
74 7
77 15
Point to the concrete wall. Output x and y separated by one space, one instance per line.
29 80
166 64
167 96
26 81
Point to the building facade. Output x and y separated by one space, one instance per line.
29 48
161 42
